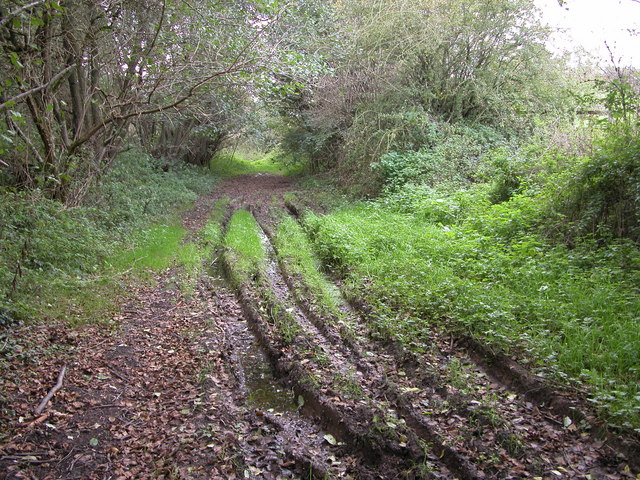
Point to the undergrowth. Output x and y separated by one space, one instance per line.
64 263
460 262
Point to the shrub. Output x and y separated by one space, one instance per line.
43 242
603 196
455 161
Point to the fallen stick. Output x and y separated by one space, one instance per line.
52 392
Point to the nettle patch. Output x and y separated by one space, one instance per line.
570 314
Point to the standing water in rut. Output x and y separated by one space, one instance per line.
254 372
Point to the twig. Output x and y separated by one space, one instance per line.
31 91
106 406
27 454
22 459
66 456
120 376
52 392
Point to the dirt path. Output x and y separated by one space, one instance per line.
180 389
166 394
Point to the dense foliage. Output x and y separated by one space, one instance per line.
81 80
49 249
454 260
403 69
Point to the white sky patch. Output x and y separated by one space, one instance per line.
588 24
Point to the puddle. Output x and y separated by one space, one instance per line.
264 392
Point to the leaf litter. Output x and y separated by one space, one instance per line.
160 396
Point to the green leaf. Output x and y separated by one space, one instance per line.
331 440
56 6
94 442
15 60
36 21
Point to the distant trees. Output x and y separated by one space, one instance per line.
79 78
404 64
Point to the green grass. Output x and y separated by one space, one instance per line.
74 257
227 165
243 247
571 314
245 255
193 257
249 163
156 248
296 253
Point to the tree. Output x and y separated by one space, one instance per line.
79 75
405 64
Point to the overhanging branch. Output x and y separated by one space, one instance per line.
58 76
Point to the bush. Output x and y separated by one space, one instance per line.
602 197
456 161
43 243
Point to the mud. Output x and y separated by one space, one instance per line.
260 383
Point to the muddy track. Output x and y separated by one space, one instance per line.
378 378
261 383
535 430
475 422
333 389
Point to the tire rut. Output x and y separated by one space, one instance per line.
523 437
379 384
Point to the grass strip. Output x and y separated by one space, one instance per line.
243 248
567 313
296 252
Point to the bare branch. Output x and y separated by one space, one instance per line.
31 91
52 392
19 10
96 128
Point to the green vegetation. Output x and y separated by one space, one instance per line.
243 248
73 257
228 165
250 163
246 258
195 256
457 261
295 251
155 248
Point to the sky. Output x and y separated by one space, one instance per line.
589 23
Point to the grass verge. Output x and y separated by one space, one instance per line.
63 263
571 314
